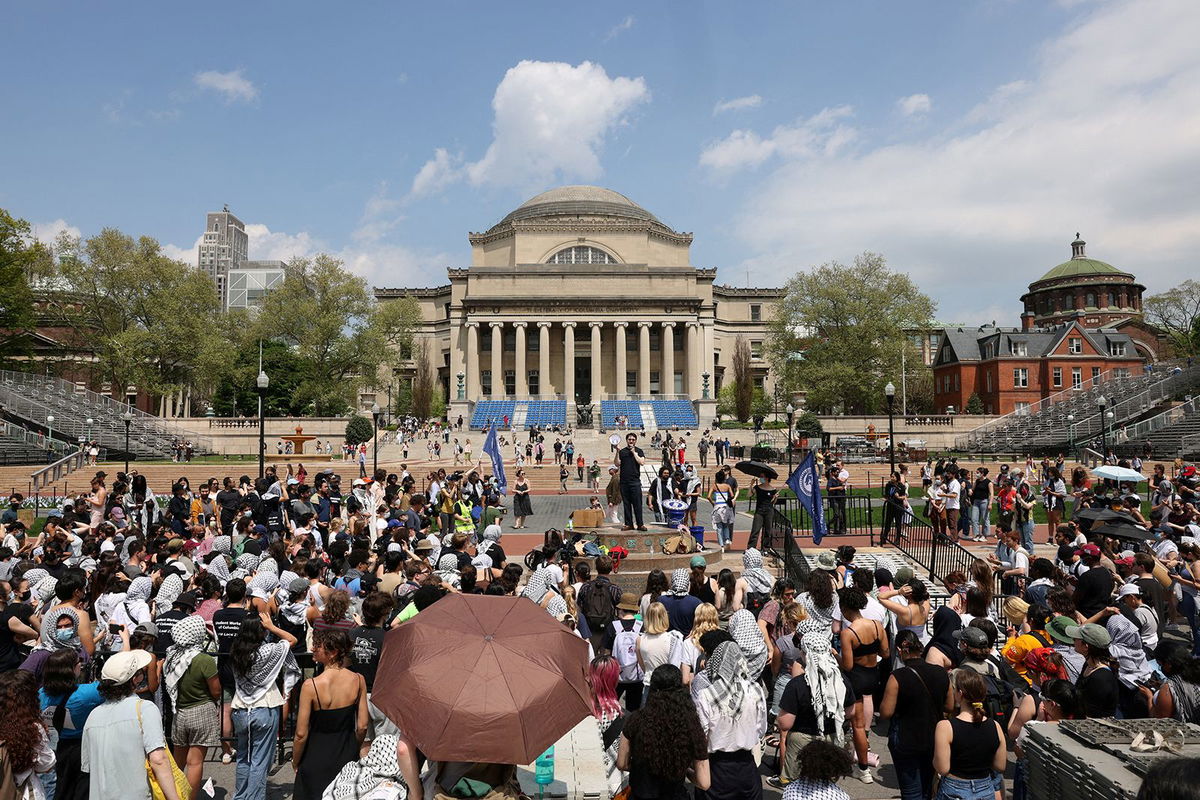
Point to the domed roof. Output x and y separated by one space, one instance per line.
1080 265
579 200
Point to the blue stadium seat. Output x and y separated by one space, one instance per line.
674 414
611 409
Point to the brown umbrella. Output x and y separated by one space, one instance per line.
483 678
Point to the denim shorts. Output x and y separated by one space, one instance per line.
962 789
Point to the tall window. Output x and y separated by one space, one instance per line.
535 383
1021 408
654 385
1116 348
631 382
1076 377
1091 300
1058 376
755 312
581 254
485 382
1020 378
956 381
1074 345
510 382
756 350
1095 373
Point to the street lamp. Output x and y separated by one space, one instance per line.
1102 402
1108 421
704 376
791 413
90 422
128 419
50 431
262 382
375 416
1071 433
462 392
889 392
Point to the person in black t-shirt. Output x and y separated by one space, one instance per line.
366 645
798 725
229 500
227 623
1093 590
630 459
15 632
914 698
184 605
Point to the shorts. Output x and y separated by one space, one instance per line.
865 680
197 726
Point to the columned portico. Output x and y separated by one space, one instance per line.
666 378
694 359
596 362
544 386
497 359
569 361
472 359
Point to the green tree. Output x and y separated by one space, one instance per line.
423 385
20 254
974 404
849 322
808 424
725 402
760 403
336 329
743 380
151 320
359 430
1177 313
237 391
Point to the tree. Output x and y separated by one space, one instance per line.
743 381
1177 312
237 391
150 320
359 429
330 319
848 322
974 404
20 254
423 385
808 424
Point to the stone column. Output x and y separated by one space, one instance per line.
472 360
497 359
597 379
621 354
569 361
666 378
519 361
644 358
544 359
694 360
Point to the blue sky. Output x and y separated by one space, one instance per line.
965 141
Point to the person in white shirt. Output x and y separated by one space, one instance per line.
951 494
1130 596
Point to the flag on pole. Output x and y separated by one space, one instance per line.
805 481
492 448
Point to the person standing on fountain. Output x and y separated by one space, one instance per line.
629 459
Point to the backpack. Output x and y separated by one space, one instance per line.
598 607
755 601
998 703
625 651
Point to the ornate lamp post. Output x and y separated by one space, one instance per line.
261 383
127 417
90 423
704 376
1071 432
791 414
1102 403
375 417
50 431
462 390
889 392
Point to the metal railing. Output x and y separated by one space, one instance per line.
1190 446
849 516
33 439
60 469
1168 418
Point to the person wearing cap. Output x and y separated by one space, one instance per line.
1094 588
1064 645
124 732
1099 688
1130 596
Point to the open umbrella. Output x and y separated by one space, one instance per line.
1089 517
1122 474
1123 531
758 469
482 678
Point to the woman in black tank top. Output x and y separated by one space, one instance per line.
969 749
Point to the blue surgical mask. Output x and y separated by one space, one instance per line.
64 634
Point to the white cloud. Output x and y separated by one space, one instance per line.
914 105
551 122
738 104
619 28
232 85
48 232
1101 137
824 133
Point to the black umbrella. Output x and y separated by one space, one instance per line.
1124 531
1102 515
758 469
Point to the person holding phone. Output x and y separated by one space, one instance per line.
629 460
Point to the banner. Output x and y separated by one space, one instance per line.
492 448
805 481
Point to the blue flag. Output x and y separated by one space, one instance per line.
492 448
805 481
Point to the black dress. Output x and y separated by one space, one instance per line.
331 746
521 505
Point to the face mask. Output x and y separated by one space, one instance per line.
247 513
64 634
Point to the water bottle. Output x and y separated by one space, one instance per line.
544 768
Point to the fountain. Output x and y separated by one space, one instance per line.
297 439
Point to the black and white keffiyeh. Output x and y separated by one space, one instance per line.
358 779
681 582
168 592
756 576
271 659
745 631
263 585
219 569
188 637
729 680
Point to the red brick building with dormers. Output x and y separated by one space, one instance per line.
1011 369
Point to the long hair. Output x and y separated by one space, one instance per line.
336 607
668 721
820 588
58 676
727 583
971 686
22 717
602 674
705 620
657 584
245 647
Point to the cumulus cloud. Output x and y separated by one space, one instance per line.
619 28
738 104
1100 138
233 86
914 105
824 133
551 121
48 232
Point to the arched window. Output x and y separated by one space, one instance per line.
581 254
1091 300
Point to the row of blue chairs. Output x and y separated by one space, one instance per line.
611 409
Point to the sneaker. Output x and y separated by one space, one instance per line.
777 782
863 775
227 758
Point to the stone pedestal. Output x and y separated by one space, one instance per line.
646 554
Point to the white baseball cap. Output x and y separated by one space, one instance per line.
121 667
1129 589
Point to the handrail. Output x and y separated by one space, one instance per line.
11 430
1190 445
1159 421
58 470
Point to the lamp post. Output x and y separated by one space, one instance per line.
1108 422
889 392
262 382
704 376
1071 433
90 422
791 413
462 392
375 416
127 417
50 431
1102 403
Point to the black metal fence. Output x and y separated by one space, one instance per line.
846 516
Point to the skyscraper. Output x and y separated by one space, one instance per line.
224 247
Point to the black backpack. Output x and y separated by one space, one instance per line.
999 702
598 608
754 602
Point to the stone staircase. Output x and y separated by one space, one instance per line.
649 420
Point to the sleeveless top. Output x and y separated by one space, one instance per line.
973 748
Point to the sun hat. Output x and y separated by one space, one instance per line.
121 667
1057 628
629 601
1091 633
1015 609
826 561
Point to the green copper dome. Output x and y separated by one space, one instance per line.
1080 265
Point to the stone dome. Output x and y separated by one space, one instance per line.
579 201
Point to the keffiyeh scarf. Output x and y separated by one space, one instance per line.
448 570
136 597
729 681
824 677
757 577
360 778
536 587
219 569
168 592
189 636
681 582
222 545
49 635
264 585
271 659
1126 648
745 631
